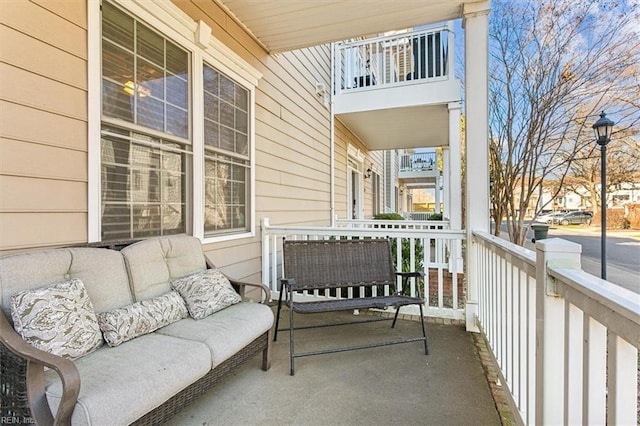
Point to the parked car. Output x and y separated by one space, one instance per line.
548 218
574 218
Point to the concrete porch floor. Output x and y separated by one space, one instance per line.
390 385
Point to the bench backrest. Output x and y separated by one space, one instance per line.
338 263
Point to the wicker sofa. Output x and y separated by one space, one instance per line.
145 379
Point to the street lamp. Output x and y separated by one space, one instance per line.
603 128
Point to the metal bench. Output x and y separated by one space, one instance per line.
333 266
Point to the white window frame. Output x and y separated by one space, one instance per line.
196 38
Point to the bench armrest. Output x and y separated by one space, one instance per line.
33 377
405 279
416 274
243 285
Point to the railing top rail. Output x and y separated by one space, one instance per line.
396 222
433 30
618 299
367 232
521 253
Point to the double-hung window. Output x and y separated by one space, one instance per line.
145 135
227 164
158 152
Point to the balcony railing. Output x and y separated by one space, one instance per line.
565 341
398 59
419 162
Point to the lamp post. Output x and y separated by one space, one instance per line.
603 128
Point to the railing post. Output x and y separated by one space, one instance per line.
551 330
265 251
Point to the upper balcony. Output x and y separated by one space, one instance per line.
419 170
394 91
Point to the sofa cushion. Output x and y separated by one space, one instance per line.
152 264
206 292
121 384
102 272
226 331
141 318
58 319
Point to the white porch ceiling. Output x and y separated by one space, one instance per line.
282 25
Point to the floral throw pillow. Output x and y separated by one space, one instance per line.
206 292
58 319
122 324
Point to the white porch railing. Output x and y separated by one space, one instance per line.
565 341
394 59
415 244
432 225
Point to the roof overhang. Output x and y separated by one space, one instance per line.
283 25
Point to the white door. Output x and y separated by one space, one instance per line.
354 193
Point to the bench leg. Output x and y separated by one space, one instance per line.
291 339
424 331
266 355
275 333
395 317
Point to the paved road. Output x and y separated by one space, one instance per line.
623 253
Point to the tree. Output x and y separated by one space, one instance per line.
554 66
623 166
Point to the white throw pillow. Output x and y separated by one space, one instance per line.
58 319
122 324
206 292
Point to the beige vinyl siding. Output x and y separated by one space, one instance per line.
43 124
343 138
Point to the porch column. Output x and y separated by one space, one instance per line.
476 26
454 167
454 171
437 195
446 184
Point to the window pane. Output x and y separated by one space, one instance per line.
242 123
150 45
211 108
177 60
116 102
211 134
227 89
242 98
117 26
177 91
242 144
211 80
151 113
117 63
177 122
227 116
227 139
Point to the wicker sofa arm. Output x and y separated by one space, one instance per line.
243 285
32 378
